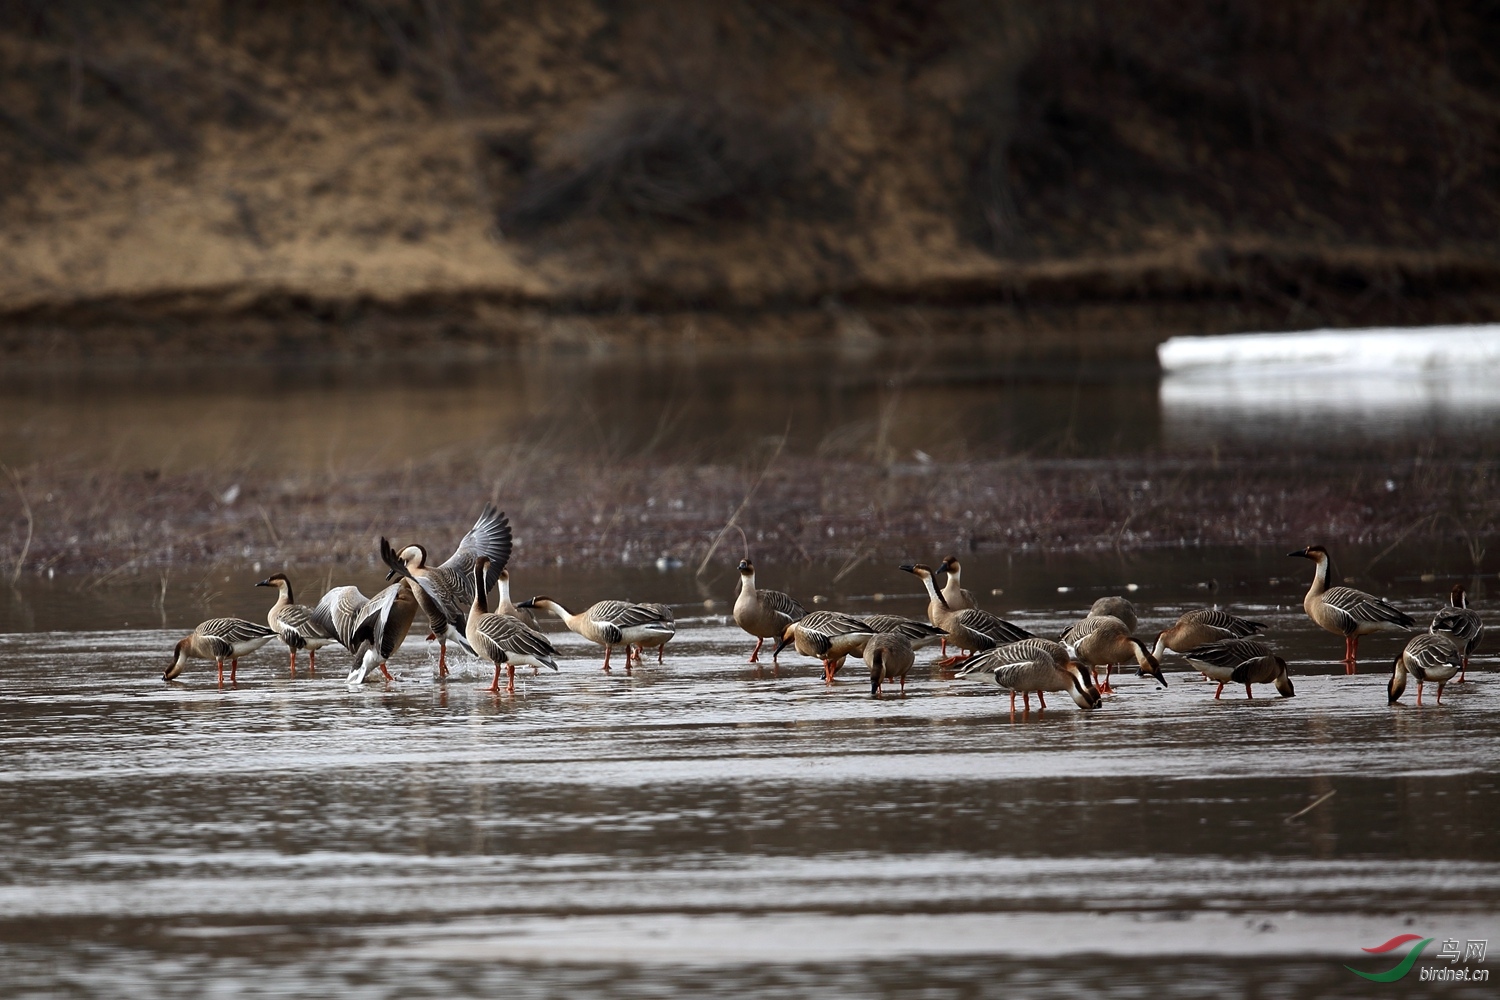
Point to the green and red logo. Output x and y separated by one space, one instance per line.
1401 968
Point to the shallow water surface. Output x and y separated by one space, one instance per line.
702 826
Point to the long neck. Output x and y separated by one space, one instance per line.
933 594
286 592
747 582
480 604
504 595
1320 578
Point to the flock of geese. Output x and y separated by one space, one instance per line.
454 598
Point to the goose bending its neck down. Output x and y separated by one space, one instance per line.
219 639
1033 666
611 624
1431 656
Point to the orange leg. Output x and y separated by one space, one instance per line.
312 661
293 651
1042 699
755 653
903 685
385 671
660 652
220 664
1219 692
234 669
1440 693
1026 698
510 684
1012 704
1351 654
494 687
1248 695
1462 673
606 657
1419 694
442 658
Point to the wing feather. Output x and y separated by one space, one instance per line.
490 537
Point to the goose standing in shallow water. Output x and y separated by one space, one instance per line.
765 614
611 624
1035 666
828 636
1463 624
448 590
503 639
1241 661
219 639
889 656
1103 640
1346 611
954 593
972 630
1201 627
1431 656
294 623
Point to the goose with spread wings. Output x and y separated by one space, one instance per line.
445 592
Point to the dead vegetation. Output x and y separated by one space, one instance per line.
801 508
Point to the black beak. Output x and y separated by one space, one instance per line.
908 567
781 644
264 583
1300 552
528 603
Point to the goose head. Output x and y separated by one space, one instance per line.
179 658
1146 662
1283 680
1081 685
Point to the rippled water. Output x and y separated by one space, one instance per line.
703 828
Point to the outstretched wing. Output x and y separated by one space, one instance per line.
337 613
490 537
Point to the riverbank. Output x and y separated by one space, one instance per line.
583 513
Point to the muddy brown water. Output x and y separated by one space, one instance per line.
702 827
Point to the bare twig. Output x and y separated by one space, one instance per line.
1303 812
743 503
15 480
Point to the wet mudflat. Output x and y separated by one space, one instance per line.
699 827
